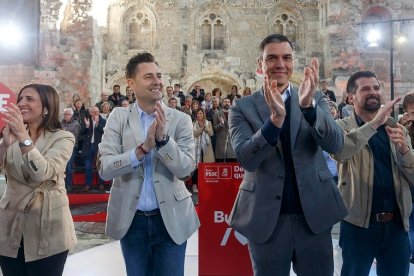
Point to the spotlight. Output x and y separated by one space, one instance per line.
373 38
10 34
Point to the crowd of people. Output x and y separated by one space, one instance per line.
308 164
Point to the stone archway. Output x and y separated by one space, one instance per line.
118 78
211 79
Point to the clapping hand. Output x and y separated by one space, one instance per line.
309 84
161 121
275 102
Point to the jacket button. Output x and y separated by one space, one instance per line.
281 176
343 183
278 197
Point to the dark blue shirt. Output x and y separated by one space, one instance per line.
290 199
383 195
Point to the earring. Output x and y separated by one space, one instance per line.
45 113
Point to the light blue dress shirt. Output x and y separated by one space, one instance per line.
147 200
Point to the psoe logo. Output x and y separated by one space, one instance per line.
211 172
221 217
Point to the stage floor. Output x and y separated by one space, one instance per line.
106 260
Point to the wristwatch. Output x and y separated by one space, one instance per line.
26 143
163 142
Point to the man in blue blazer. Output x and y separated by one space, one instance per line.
288 201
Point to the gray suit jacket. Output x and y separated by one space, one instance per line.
172 162
256 209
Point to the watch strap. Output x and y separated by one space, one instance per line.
163 142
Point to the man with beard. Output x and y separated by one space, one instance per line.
288 200
116 97
375 168
223 151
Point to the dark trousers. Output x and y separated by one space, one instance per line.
386 242
69 173
292 242
50 266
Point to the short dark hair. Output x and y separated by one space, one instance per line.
278 38
116 85
50 102
408 99
351 86
132 66
177 84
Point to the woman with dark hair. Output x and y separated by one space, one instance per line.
36 227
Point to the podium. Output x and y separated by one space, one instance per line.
222 251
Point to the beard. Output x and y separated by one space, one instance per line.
226 106
372 106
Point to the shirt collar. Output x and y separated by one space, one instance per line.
286 93
142 113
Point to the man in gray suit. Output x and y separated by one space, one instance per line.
287 202
148 149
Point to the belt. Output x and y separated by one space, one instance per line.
384 217
148 213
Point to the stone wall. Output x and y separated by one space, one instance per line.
78 56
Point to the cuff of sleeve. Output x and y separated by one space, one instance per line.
310 115
134 160
270 132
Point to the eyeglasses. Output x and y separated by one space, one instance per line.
67 114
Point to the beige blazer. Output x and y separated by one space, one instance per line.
35 206
172 162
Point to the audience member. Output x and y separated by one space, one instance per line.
130 95
224 150
172 102
106 109
194 106
104 99
178 93
73 126
247 91
116 96
169 95
329 94
125 103
207 103
92 129
202 131
198 93
186 108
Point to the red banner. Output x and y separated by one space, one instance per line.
222 251
6 97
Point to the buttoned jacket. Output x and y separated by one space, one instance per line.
170 163
35 206
257 206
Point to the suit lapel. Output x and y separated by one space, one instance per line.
135 124
261 105
264 111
